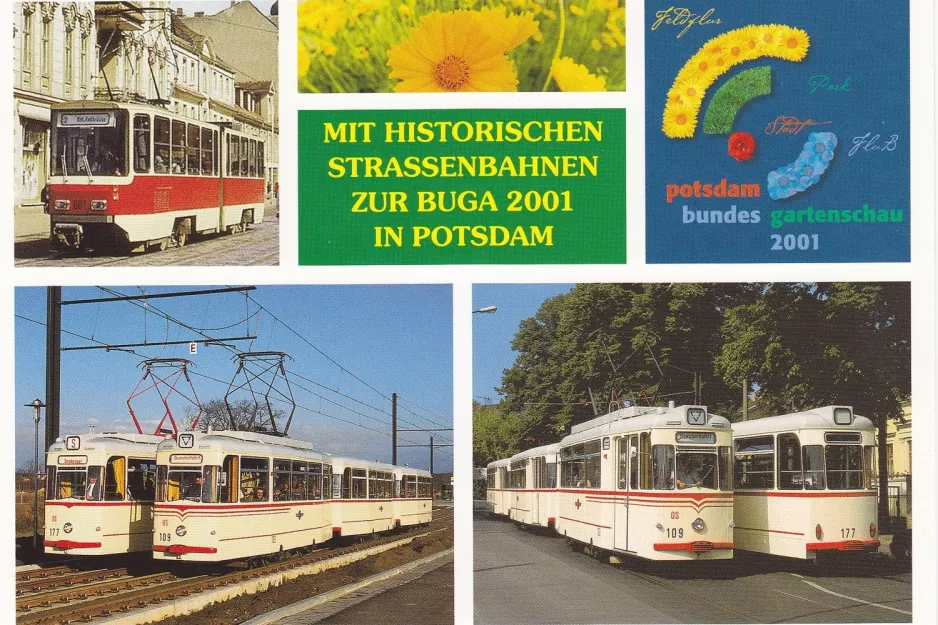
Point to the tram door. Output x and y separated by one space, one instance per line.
536 483
626 482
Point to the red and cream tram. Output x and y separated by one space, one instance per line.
228 495
497 493
655 483
414 496
532 480
804 483
138 176
99 494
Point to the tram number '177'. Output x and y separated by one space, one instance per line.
848 532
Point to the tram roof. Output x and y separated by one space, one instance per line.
238 441
504 462
345 461
640 418
536 452
110 442
816 418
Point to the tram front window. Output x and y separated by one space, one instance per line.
185 485
696 469
89 143
844 467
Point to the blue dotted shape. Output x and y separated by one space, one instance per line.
807 169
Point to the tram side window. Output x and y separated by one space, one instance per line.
161 145
228 491
409 486
662 467
517 476
551 474
489 477
260 159
359 484
141 476
424 487
593 464
644 454
210 484
327 482
253 481
252 159
379 484
726 468
141 143
813 458
233 162
115 478
281 480
789 462
215 148
244 156
178 157
208 151
50 482
302 480
502 477
193 148
844 466
162 484
868 467
755 462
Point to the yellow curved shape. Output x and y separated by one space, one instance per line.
715 58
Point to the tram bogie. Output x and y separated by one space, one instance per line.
99 494
804 484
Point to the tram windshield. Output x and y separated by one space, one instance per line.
696 469
75 483
185 484
844 466
89 143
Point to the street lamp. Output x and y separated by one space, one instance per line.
486 309
36 405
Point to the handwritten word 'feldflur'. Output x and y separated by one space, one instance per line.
784 125
678 16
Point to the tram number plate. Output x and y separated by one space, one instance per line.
675 532
848 532
53 531
166 537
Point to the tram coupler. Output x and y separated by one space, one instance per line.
67 236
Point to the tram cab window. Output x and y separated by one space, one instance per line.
252 159
71 483
115 478
282 491
50 482
178 156
696 469
662 467
844 466
790 476
260 159
161 145
212 483
141 144
193 149
141 479
208 151
182 484
90 151
812 457
244 156
755 462
253 481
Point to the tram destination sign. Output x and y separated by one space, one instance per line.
72 460
86 120
696 437
185 459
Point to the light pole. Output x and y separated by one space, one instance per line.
36 405
486 309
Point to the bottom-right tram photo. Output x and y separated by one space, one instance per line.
692 453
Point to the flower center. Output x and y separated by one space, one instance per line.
681 119
792 42
452 73
767 38
703 66
691 92
735 51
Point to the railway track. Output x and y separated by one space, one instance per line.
65 596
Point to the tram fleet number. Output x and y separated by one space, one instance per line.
791 242
674 532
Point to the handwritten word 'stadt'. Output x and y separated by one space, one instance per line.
678 16
784 125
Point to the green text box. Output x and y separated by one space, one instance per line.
555 177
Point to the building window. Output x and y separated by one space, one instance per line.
890 466
27 44
83 59
69 60
46 58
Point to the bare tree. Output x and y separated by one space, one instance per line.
248 416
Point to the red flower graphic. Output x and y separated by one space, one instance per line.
742 146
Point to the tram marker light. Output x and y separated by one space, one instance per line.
817 531
98 205
872 530
62 205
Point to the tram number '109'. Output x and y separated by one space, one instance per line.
166 537
674 532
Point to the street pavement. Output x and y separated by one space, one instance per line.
523 577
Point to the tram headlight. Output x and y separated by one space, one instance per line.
67 528
181 530
817 531
872 530
699 525
98 205
62 205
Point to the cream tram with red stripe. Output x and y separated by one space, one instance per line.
99 494
804 483
138 176
655 483
497 493
229 495
413 504
532 482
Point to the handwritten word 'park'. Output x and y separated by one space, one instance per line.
822 82
677 16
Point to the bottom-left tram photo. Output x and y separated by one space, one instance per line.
235 454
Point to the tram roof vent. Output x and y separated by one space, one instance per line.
660 410
671 404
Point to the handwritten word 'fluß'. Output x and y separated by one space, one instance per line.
823 82
784 125
678 16
871 143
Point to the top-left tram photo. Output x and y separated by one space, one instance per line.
146 133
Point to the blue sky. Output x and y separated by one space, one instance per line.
492 333
395 338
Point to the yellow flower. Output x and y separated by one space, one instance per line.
538 36
793 43
571 76
325 46
575 10
327 18
609 40
460 51
360 53
688 91
680 120
550 14
404 10
596 45
302 60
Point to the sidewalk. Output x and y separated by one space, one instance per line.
29 222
